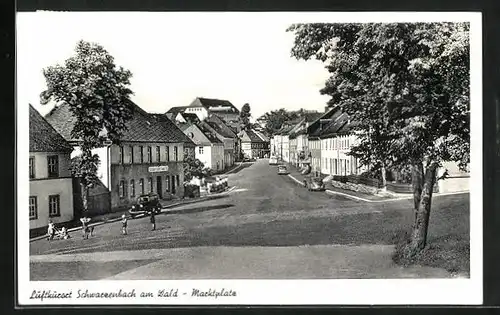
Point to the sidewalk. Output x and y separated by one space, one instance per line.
297 176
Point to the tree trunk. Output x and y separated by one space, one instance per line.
417 182
384 179
85 199
419 234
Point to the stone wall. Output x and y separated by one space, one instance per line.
355 187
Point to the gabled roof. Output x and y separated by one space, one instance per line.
175 110
43 137
142 127
229 132
213 104
261 135
191 117
321 123
252 136
335 126
218 129
161 118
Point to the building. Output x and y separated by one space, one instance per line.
314 131
202 107
225 134
148 157
51 186
254 144
336 142
209 149
296 136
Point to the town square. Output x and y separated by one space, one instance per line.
290 151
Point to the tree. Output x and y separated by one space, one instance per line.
97 93
194 168
275 119
245 116
407 88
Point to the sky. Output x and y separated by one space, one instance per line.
176 57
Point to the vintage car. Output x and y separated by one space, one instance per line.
314 184
146 204
282 170
273 160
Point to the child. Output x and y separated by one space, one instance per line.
124 225
153 221
85 227
51 230
64 233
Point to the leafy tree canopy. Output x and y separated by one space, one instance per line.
97 93
405 84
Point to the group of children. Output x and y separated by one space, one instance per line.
87 230
53 232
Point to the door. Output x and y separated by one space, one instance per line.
159 190
173 184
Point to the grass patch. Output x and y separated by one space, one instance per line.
450 252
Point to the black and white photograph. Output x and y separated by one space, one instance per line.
249 158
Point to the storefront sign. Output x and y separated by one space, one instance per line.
156 169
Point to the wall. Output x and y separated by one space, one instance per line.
336 152
201 112
42 168
137 170
128 172
246 147
42 189
206 156
217 157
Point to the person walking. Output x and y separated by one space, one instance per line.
153 221
51 230
124 224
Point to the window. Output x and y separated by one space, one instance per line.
53 163
131 155
32 167
150 184
336 167
122 189
141 185
177 180
167 183
150 158
141 151
348 169
33 208
200 150
158 154
167 153
121 157
132 188
176 157
54 206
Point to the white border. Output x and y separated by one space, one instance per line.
292 292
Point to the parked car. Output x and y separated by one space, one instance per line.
282 170
273 160
214 184
314 184
146 204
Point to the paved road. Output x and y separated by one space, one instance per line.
268 227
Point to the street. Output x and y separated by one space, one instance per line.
266 227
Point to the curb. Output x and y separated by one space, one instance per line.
376 201
142 215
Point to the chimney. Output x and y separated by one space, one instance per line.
327 108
